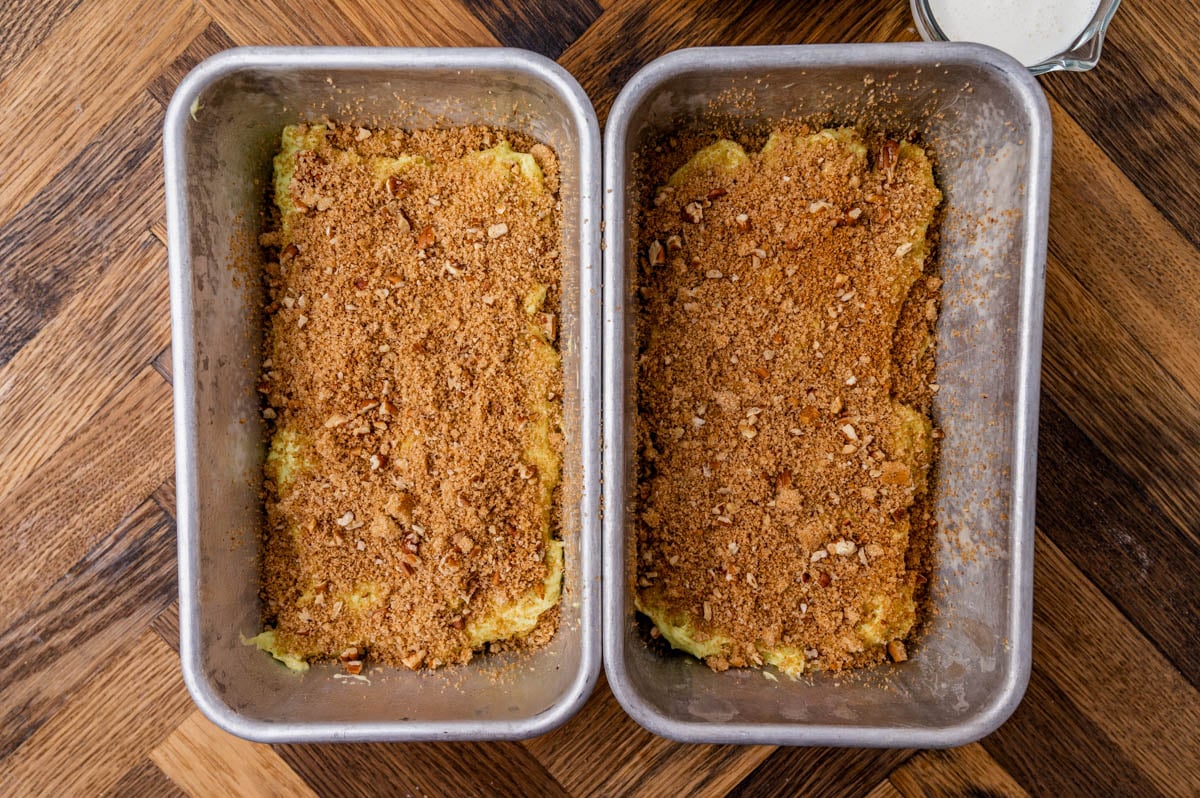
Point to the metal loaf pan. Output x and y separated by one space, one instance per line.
989 125
221 131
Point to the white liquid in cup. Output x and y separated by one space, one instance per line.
1029 30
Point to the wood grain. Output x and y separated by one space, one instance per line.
821 771
638 762
545 29
127 453
78 621
1119 539
493 769
91 698
960 771
1080 644
81 224
142 38
106 727
145 780
102 338
1140 105
203 760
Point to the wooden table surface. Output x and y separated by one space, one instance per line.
91 698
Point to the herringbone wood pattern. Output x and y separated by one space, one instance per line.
90 692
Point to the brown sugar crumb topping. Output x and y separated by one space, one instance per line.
784 354
413 392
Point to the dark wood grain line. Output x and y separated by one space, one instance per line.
90 615
164 494
965 771
163 365
91 481
821 771
492 769
1119 538
24 24
791 22
91 213
631 33
638 763
546 28
1141 104
145 780
211 40
1051 747
166 625
1135 412
283 22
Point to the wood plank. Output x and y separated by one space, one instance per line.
203 760
211 41
541 27
144 780
164 495
884 789
271 22
1103 707
106 728
81 224
1085 645
166 625
24 24
631 33
163 364
1142 104
91 615
959 771
821 771
1051 747
143 37
1119 538
51 389
1108 384
445 23
1122 250
491 769
636 762
372 22
60 512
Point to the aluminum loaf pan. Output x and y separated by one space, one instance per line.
989 126
221 130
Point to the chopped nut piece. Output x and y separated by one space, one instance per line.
656 254
897 651
548 323
693 213
889 154
742 221
713 274
426 237
674 243
497 230
904 249
346 519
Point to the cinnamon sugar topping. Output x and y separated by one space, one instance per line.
785 356
413 388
